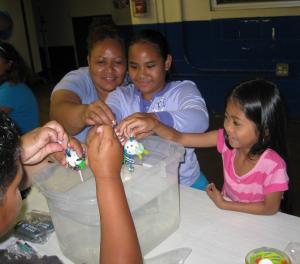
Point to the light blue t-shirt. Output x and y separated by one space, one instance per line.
23 104
179 105
79 82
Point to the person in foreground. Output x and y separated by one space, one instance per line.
16 152
252 145
119 242
117 225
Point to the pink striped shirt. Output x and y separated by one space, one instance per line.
267 176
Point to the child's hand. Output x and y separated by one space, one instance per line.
74 144
215 195
42 141
138 125
104 151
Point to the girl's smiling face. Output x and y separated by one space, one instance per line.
147 69
242 132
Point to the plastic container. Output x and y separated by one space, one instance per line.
151 190
266 255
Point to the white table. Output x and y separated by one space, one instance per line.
215 236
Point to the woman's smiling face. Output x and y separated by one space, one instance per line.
107 66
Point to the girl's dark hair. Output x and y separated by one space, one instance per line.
261 102
154 37
159 42
99 32
18 70
9 153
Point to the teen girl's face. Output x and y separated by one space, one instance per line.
147 69
242 132
11 203
107 65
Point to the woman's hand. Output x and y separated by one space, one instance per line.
138 125
98 113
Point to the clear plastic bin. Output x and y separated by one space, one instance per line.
151 190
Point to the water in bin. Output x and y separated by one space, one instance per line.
151 190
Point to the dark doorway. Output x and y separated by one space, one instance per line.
81 30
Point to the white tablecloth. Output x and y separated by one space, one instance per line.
214 235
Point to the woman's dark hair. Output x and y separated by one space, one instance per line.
154 37
9 153
261 102
99 32
18 70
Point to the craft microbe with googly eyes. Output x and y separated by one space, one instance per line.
73 160
133 148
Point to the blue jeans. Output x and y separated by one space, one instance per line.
201 182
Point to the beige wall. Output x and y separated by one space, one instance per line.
58 16
195 10
99 7
159 11
18 38
200 10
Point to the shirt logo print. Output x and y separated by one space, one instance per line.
160 105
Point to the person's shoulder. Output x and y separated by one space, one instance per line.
76 80
185 87
271 154
13 86
181 83
270 161
80 72
128 89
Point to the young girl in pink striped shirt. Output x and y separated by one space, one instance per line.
252 145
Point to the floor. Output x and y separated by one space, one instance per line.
210 160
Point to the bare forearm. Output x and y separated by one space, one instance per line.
167 132
119 243
208 139
70 116
258 208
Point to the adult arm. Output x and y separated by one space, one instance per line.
119 242
66 108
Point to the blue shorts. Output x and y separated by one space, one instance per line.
201 182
